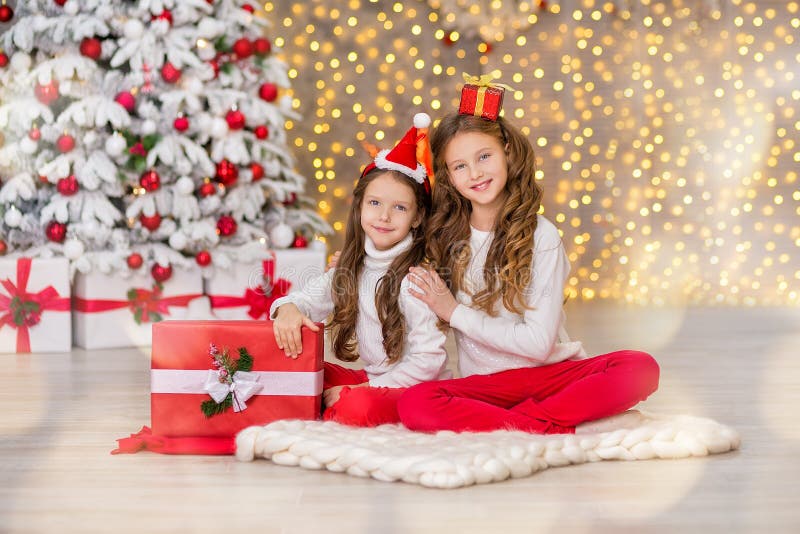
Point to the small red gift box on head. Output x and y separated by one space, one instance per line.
481 98
215 378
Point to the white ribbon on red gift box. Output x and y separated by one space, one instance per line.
271 383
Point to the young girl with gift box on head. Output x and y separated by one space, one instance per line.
507 267
374 316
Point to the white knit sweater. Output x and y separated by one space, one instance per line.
509 341
423 357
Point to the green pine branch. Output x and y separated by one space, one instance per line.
210 407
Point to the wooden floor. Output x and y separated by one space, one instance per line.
62 413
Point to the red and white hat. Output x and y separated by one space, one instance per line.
405 157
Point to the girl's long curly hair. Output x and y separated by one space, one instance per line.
346 277
509 260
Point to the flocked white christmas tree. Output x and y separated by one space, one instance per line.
146 134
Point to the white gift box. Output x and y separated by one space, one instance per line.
244 292
112 311
35 305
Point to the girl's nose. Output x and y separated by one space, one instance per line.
384 215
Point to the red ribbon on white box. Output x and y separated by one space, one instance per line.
191 381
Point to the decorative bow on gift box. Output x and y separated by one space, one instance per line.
231 383
23 310
260 299
147 306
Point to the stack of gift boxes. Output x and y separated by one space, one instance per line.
210 377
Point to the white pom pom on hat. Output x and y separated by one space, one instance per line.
422 120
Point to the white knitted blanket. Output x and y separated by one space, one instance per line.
450 460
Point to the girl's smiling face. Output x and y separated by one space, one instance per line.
477 167
388 211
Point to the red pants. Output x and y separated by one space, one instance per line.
551 399
362 406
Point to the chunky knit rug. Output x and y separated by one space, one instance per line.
450 460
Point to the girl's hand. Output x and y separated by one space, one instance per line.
433 292
331 395
286 327
333 261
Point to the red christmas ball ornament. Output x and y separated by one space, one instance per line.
291 198
91 48
170 73
181 123
243 48
203 258
151 223
3 247
249 8
262 46
35 134
6 13
268 92
68 186
543 5
164 15
135 260
150 180
161 273
207 189
60 2
56 231
65 143
3 60
257 170
235 119
227 173
226 226
47 93
214 65
300 241
262 132
448 39
126 100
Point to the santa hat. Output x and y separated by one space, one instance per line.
406 156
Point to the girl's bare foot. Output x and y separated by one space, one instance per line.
629 419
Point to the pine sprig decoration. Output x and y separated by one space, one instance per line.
227 368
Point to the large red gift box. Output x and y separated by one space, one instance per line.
481 101
184 376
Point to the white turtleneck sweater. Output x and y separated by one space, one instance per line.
423 357
509 340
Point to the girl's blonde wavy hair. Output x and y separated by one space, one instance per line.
508 264
346 277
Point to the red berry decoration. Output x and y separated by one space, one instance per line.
257 170
181 124
161 273
47 93
300 241
207 189
60 2
91 48
151 223
164 15
262 46
227 173
3 59
226 226
6 13
262 132
268 92
291 198
65 143
248 8
126 100
243 48
35 134
67 186
203 258
150 180
135 260
56 231
214 65
170 73
3 247
235 119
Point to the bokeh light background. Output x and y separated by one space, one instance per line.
666 132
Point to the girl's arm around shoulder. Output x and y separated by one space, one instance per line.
424 357
534 333
313 300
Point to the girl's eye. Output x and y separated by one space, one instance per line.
458 166
374 203
401 208
485 155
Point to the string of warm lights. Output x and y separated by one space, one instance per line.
666 131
